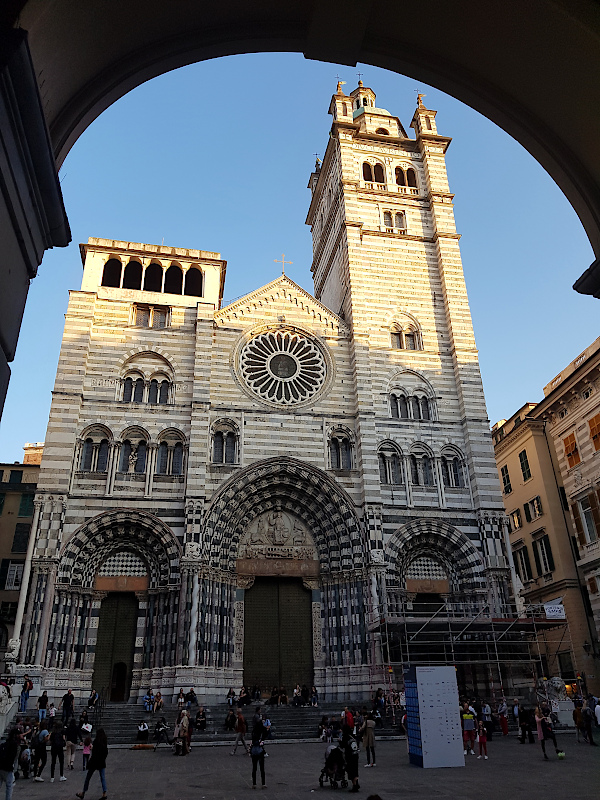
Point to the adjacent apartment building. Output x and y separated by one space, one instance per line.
541 531
17 489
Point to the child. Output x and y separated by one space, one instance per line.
52 711
25 760
482 738
87 749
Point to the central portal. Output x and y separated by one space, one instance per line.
115 645
278 634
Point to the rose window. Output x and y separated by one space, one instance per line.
283 367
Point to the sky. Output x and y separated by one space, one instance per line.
217 156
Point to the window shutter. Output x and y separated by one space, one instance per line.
578 523
549 556
2 496
527 512
21 537
3 572
593 585
517 563
536 556
527 563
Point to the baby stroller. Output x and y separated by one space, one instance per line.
334 770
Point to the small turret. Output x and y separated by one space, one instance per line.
340 107
423 121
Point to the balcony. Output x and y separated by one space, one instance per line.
496 562
589 553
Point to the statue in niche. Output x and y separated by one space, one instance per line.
133 457
259 534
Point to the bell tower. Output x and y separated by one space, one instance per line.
386 258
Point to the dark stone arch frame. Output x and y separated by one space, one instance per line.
429 536
298 488
107 533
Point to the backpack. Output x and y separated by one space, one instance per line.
29 685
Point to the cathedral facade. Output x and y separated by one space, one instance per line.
244 494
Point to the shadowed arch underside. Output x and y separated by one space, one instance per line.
292 486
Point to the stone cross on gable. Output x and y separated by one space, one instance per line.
283 262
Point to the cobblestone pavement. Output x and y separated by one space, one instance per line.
512 772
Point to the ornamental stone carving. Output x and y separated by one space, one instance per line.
193 550
376 557
277 534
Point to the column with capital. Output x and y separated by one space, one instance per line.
49 568
151 452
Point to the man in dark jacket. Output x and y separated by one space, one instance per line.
9 751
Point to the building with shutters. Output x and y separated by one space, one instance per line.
18 484
541 536
289 488
570 411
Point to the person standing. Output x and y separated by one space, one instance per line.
515 711
9 754
42 705
486 718
368 731
73 737
57 750
68 704
240 733
482 737
97 763
579 726
587 716
468 726
257 753
40 755
24 697
503 714
351 752
525 725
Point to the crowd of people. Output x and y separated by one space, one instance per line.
301 696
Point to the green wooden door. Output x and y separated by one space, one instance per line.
277 634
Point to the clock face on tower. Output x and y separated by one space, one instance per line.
284 367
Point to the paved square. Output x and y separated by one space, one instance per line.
512 772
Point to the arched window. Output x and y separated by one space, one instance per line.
102 460
365 102
400 220
403 407
177 467
427 466
382 132
387 219
140 463
382 469
400 177
334 454
411 177
86 455
394 406
153 392
153 277
132 278
367 172
218 448
125 453
445 472
193 282
127 390
414 471
397 340
174 280
163 397
138 391
410 340
457 473
344 109
396 469
346 454
425 413
111 274
415 407
230 448
162 458
428 123
378 173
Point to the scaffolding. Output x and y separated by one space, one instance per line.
495 651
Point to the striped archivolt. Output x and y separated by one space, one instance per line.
283 367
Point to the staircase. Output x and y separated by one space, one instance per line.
121 720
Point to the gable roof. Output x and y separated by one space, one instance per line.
282 290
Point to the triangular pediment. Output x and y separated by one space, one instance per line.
282 294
